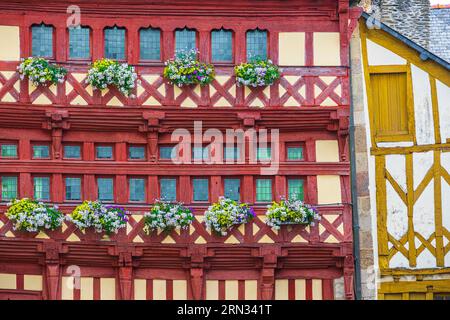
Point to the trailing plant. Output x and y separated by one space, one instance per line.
185 69
226 213
107 72
291 211
32 216
167 216
103 218
41 72
257 73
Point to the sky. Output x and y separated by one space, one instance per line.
440 1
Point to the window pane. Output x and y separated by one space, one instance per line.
200 189
42 41
104 152
264 153
232 189
9 188
295 189
9 150
73 188
200 153
185 39
115 43
137 189
105 189
295 153
79 43
168 189
137 153
41 152
231 153
165 153
263 190
42 188
221 43
256 44
150 42
72 152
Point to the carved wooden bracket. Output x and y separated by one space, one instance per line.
197 254
56 122
152 127
52 271
270 258
343 135
249 118
348 277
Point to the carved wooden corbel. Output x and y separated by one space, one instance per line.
56 122
197 254
270 258
152 127
52 265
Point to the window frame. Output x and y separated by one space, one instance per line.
38 144
129 178
81 188
181 29
295 145
125 58
267 42
53 56
161 47
233 48
90 46
177 193
272 187
7 175
233 178
301 178
6 142
49 186
113 187
129 146
104 145
193 192
269 147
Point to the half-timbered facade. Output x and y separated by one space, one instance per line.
67 143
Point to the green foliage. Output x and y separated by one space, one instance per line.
257 73
41 72
167 216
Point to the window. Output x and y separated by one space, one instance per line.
294 153
9 150
390 110
72 152
201 189
136 153
185 39
256 44
115 43
165 153
263 190
442 296
41 152
105 189
42 41
168 189
232 189
104 152
42 188
221 45
79 43
232 153
199 153
137 189
9 187
264 153
150 44
73 188
295 189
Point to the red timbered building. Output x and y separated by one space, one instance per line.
67 143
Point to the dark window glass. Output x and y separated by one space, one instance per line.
105 189
185 39
79 43
104 152
137 189
136 153
256 44
168 187
42 188
200 189
232 189
72 152
73 188
295 189
150 44
115 43
9 188
263 190
42 41
9 150
221 45
294 153
41 152
165 153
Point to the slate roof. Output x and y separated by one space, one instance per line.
440 31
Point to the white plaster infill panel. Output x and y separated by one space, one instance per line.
443 93
380 56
